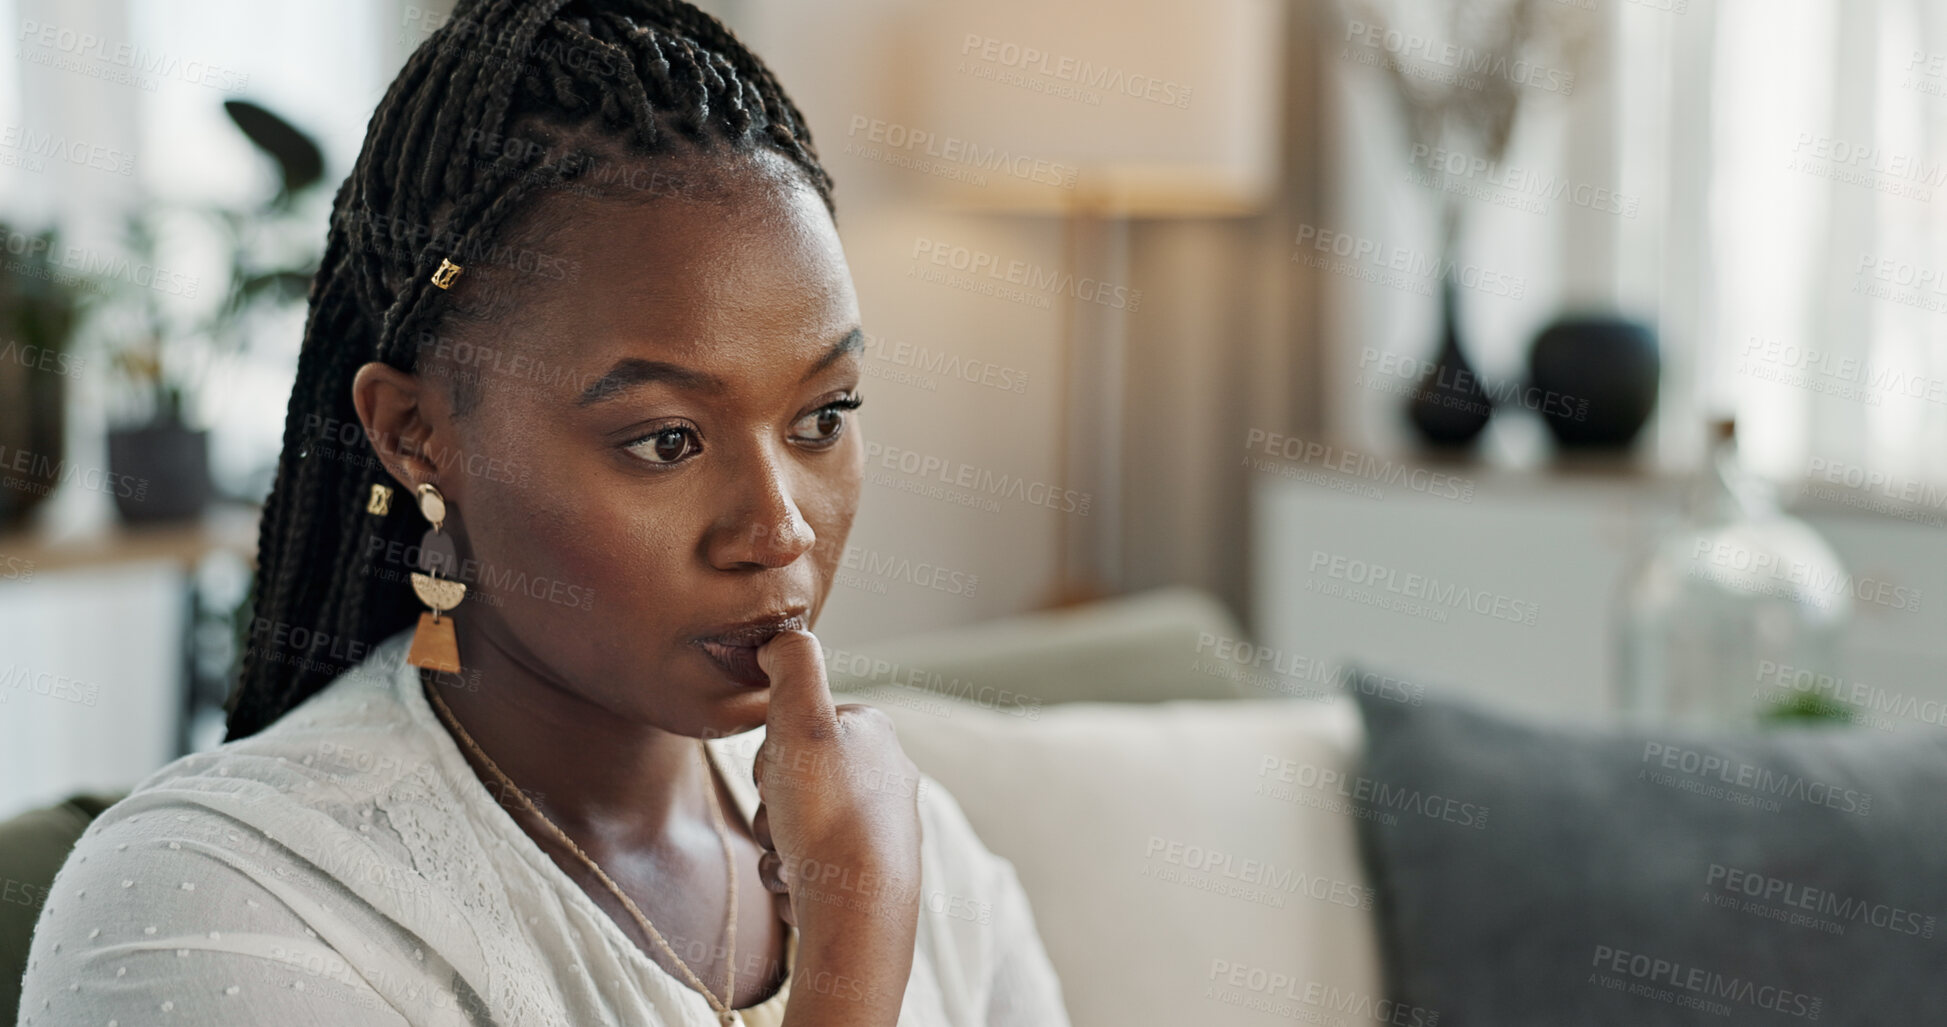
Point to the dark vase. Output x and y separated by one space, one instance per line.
32 439
1594 378
159 471
1449 407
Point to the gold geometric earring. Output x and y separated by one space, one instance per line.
433 643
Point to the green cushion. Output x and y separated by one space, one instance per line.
33 846
1149 646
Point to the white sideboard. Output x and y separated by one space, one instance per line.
1505 586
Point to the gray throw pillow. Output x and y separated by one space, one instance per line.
1531 874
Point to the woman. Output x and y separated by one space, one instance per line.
531 729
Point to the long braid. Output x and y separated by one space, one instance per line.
596 80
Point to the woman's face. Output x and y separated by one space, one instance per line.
654 456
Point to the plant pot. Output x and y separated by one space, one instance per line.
33 406
159 472
1597 375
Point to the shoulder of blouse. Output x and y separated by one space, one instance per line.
985 944
257 860
287 803
340 747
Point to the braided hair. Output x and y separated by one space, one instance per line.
589 86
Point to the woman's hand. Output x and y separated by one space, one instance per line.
838 816
838 811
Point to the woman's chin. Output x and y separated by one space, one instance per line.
735 715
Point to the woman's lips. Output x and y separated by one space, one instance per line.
738 662
734 651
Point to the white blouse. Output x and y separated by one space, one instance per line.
346 866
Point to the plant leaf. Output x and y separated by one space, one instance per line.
298 158
279 285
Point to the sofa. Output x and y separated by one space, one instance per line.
1212 835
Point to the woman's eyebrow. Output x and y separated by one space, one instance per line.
851 342
631 372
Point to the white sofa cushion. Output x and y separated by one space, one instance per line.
1188 862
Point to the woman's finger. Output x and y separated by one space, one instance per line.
760 827
800 707
770 870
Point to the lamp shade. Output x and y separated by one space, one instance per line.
1134 108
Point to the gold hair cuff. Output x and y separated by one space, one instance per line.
443 277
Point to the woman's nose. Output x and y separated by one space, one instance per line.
764 527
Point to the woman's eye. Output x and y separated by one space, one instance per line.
825 424
666 446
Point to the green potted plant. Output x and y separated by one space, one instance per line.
39 305
166 351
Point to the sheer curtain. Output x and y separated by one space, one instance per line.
1827 237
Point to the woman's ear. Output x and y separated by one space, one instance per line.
391 406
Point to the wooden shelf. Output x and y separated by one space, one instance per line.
106 541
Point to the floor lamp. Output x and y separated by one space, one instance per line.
1152 109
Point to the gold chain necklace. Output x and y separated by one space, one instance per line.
725 1014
